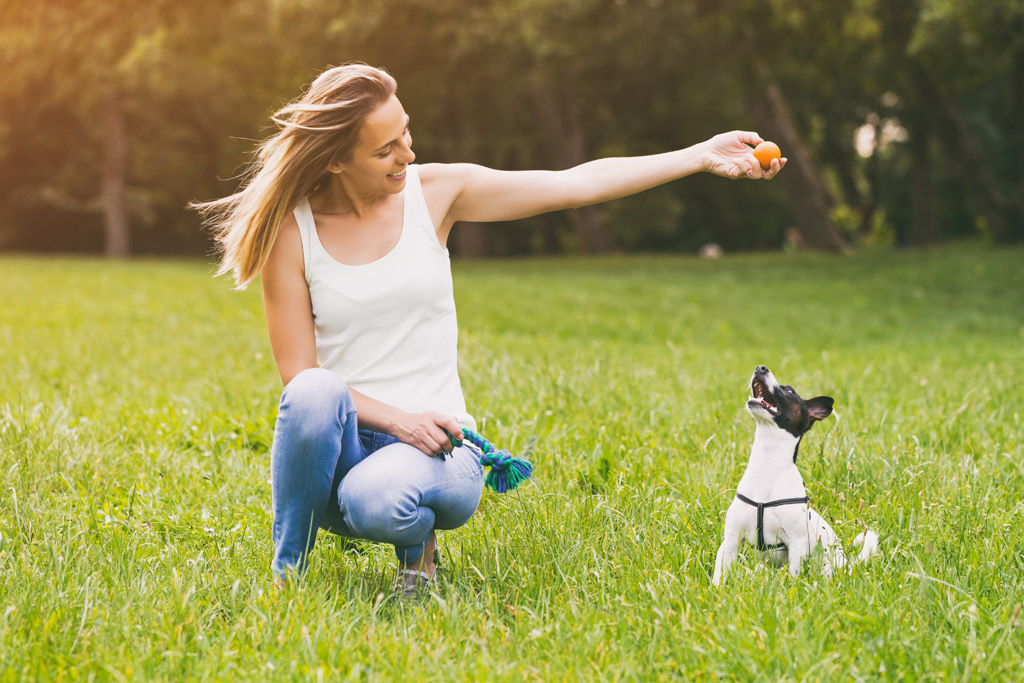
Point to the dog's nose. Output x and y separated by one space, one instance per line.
761 368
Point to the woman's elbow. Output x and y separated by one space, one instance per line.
575 192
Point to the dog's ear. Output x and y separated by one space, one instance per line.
820 407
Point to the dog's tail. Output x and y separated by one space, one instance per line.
867 541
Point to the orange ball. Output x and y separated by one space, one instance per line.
765 152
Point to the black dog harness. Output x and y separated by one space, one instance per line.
761 545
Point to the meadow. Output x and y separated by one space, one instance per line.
138 403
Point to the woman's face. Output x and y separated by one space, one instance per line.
377 164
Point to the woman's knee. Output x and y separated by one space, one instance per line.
457 502
315 384
399 494
314 400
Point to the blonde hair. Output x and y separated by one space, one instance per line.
317 130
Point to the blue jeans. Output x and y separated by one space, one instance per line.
326 473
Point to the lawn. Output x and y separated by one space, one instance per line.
138 406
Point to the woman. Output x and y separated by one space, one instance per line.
349 239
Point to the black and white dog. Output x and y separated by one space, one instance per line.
770 509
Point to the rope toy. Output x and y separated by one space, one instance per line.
507 471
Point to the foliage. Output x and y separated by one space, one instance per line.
197 80
139 405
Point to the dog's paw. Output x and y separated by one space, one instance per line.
867 541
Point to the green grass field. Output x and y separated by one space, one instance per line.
138 406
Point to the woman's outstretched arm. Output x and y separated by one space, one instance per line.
476 193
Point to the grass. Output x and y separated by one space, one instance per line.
138 406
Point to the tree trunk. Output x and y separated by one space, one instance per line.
471 240
1017 71
922 195
842 153
809 193
456 141
865 204
115 215
588 226
976 174
559 123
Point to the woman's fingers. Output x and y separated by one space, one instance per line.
451 426
422 431
435 432
758 172
748 137
747 165
774 168
452 433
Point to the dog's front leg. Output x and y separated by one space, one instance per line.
798 549
734 528
726 555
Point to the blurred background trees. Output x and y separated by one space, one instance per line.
902 120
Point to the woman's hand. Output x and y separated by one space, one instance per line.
730 155
426 431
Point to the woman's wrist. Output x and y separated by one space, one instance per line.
702 155
392 422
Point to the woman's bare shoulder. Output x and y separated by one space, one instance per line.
287 248
442 184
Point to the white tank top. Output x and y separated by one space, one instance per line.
388 327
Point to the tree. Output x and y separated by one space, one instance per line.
139 108
83 71
968 61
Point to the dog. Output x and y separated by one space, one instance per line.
770 510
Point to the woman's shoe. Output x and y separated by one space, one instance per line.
412 584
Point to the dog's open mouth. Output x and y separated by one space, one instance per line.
760 391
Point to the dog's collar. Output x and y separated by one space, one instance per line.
761 545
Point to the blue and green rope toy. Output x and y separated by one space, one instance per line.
507 471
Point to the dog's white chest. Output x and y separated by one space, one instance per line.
770 526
